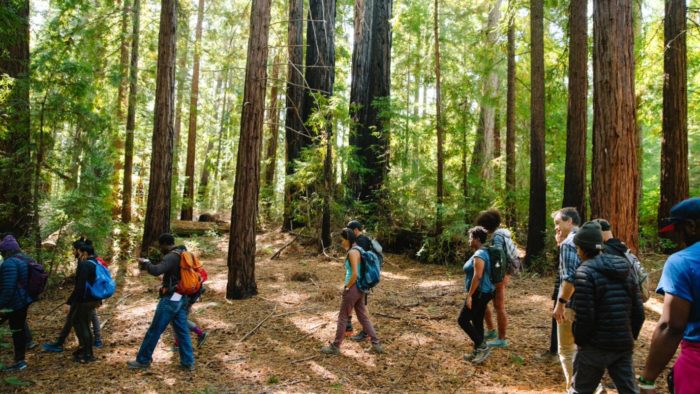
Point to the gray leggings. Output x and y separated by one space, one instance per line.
68 326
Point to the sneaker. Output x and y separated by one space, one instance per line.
331 349
549 357
470 356
499 343
52 347
18 366
188 368
490 334
137 365
361 336
481 355
31 345
377 348
98 343
201 339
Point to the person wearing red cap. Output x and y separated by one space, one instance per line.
680 319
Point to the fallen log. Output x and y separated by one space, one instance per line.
185 228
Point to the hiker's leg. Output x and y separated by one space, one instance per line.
488 318
67 326
480 302
17 319
27 332
95 320
589 367
81 324
499 304
194 328
566 345
163 316
465 322
361 312
553 341
346 305
621 370
182 332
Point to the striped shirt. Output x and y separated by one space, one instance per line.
568 259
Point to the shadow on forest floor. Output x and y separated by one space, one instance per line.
414 310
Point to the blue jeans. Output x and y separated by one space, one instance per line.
167 312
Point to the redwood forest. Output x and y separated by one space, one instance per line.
266 150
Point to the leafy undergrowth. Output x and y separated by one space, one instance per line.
414 310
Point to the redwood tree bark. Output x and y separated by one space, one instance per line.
117 143
674 145
510 122
181 73
438 123
294 126
188 193
577 114
274 119
241 254
614 186
131 114
15 158
158 205
538 183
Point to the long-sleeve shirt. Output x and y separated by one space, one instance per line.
169 267
85 273
568 258
14 274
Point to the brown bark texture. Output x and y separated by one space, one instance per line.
614 186
438 123
577 113
674 145
241 254
158 205
188 193
538 183
131 114
181 83
117 143
510 123
274 120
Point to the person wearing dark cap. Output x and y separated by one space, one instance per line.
14 278
608 315
680 319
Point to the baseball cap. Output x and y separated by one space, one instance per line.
685 210
354 225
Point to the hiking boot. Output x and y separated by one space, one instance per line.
31 345
201 339
482 353
470 356
16 367
499 343
331 349
188 368
137 365
549 357
98 343
377 348
361 336
490 334
53 347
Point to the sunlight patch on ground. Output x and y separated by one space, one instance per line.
654 305
432 284
289 297
535 299
322 372
391 275
359 353
217 283
413 339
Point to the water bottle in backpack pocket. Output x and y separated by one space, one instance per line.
369 271
104 286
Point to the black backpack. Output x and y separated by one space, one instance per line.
498 263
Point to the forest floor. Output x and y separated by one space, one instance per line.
414 311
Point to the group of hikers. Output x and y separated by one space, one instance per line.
597 315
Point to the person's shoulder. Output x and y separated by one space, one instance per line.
482 253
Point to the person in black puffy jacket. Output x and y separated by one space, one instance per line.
609 315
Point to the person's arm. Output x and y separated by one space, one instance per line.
667 335
8 281
169 263
569 259
476 279
355 258
81 277
584 307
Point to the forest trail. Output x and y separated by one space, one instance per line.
414 310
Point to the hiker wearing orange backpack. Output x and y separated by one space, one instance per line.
178 286
193 261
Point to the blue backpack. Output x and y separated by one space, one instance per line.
370 270
104 286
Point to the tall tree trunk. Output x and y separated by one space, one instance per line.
117 143
274 119
510 122
15 158
438 124
674 145
188 193
222 129
131 114
577 114
294 126
538 183
614 186
181 83
158 206
205 174
241 253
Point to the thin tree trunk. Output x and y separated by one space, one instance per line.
614 186
222 129
158 206
294 126
205 174
188 193
241 254
538 183
131 114
674 145
181 83
577 114
274 119
510 122
117 143
438 124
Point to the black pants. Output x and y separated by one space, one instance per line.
472 320
590 364
65 331
18 321
553 342
82 313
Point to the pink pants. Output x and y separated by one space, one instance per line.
353 298
687 369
